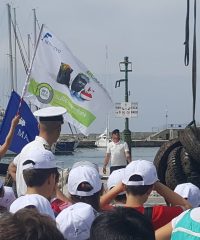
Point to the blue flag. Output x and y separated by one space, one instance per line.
27 128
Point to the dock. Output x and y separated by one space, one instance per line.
134 143
139 139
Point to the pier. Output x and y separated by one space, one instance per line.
138 139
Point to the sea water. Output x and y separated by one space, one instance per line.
96 155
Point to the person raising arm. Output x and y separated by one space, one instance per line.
5 146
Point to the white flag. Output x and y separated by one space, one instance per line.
58 78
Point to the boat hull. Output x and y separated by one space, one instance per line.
66 147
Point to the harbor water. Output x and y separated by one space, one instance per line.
96 155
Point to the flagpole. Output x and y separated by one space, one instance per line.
31 65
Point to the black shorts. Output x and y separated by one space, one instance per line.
113 168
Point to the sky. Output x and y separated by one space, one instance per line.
151 33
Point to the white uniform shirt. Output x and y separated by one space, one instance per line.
40 202
8 198
18 161
118 153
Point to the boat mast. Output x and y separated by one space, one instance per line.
10 47
29 52
15 50
107 86
34 27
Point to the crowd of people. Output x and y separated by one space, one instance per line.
91 209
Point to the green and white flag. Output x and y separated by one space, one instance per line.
58 78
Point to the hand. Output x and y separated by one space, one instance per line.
104 170
15 121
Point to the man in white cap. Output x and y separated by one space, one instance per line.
7 196
41 176
50 121
75 221
84 184
140 178
115 178
190 192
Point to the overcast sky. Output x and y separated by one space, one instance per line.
150 32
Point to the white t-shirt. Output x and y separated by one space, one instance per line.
18 161
40 202
118 153
8 198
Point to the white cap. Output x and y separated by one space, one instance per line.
143 168
189 191
50 112
40 202
81 174
1 183
40 159
75 221
86 163
115 178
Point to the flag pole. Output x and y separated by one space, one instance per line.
30 69
31 64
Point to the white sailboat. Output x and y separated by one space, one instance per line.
102 140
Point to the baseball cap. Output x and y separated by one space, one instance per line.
86 163
115 178
40 159
82 174
32 200
145 169
50 114
189 191
75 221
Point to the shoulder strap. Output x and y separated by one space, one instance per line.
148 212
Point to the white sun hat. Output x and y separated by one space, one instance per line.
115 178
40 159
145 169
189 191
82 174
75 221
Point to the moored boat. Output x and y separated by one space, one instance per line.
66 146
102 141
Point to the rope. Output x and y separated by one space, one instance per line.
70 128
194 58
194 66
187 35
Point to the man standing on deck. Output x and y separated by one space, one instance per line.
117 153
50 121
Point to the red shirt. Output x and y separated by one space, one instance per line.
161 215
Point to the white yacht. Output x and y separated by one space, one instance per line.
103 140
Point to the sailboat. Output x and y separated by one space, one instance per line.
103 139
